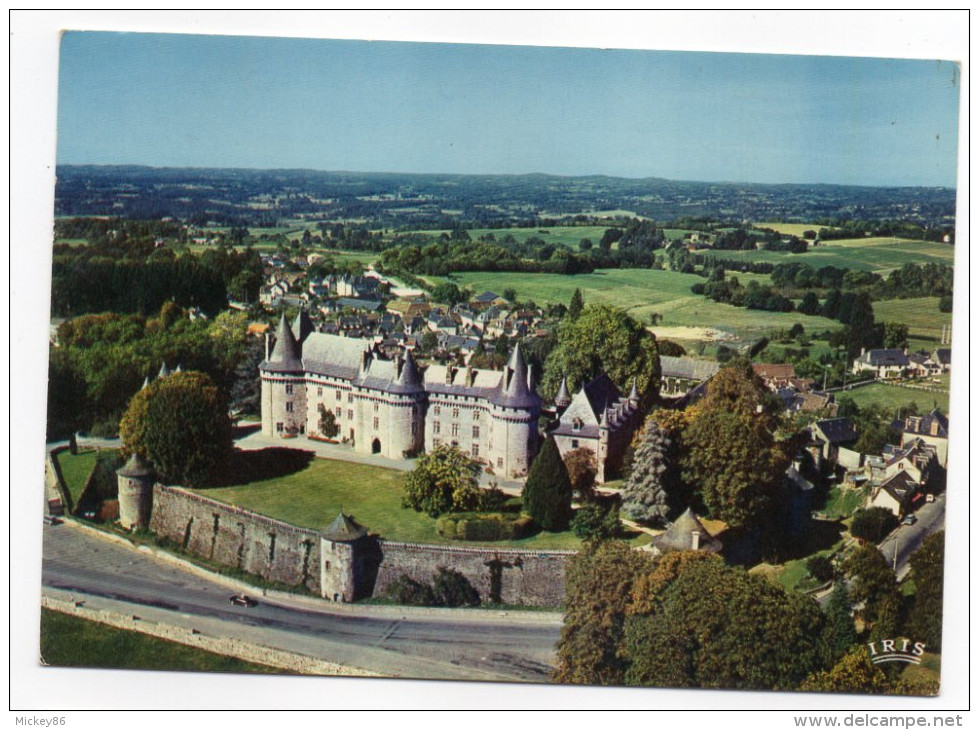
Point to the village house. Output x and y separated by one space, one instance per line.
687 532
932 429
834 436
597 418
680 375
896 493
883 363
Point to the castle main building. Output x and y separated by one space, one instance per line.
394 408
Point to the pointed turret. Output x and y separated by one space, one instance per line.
563 398
178 369
634 393
302 326
344 529
146 382
164 370
410 378
285 357
530 378
514 392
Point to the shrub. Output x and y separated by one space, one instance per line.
547 492
410 592
872 524
453 589
821 568
484 526
492 499
596 522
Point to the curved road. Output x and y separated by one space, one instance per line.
422 643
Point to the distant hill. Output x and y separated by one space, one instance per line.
268 197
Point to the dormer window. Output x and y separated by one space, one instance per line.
576 424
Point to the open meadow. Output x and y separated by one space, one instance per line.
892 397
866 254
920 314
643 292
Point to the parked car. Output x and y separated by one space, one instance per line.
52 520
240 599
929 498
909 520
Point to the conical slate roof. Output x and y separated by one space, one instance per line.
514 392
164 370
410 378
634 392
679 535
286 356
136 468
302 326
563 398
344 529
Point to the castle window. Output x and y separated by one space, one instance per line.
279 428
350 397
339 412
499 462
339 394
574 443
377 407
475 450
438 410
475 432
414 427
319 391
475 415
288 388
436 427
377 423
350 414
455 412
455 429
289 407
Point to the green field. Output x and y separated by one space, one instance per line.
790 229
892 397
69 641
867 254
643 292
315 495
76 469
920 314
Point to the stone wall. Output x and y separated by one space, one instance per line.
509 576
292 555
235 537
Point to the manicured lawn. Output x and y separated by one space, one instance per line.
76 470
70 641
893 397
313 496
642 292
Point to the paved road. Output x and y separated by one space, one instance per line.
908 538
432 644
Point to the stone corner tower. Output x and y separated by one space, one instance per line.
136 481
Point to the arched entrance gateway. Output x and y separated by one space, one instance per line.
376 446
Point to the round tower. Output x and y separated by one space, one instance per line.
283 386
135 493
406 432
516 410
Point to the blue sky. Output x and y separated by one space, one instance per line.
220 101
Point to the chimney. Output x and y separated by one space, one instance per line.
266 345
695 540
863 351
934 426
448 374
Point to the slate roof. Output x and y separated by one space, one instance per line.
679 535
285 357
515 390
943 356
136 468
368 304
302 326
486 296
935 424
687 368
344 529
562 398
884 358
837 430
598 404
900 486
332 355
